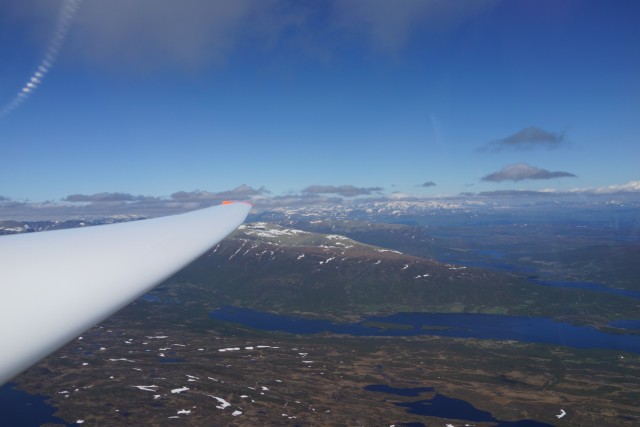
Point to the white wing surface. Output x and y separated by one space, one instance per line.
56 284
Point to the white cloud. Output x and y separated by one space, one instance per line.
629 187
143 35
388 25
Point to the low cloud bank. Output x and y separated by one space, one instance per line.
522 171
115 204
342 190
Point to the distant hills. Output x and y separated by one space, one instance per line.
347 262
14 227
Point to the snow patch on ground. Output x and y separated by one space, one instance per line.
146 387
260 229
388 250
336 237
223 403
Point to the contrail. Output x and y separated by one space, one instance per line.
67 13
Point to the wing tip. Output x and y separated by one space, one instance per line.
231 202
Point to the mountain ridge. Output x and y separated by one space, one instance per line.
341 278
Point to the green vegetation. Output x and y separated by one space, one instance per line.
341 279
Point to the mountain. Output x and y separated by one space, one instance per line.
389 257
457 210
271 267
14 227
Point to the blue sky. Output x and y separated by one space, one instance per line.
146 98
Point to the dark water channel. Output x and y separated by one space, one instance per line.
459 325
20 409
441 406
495 262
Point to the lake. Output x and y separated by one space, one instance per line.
626 324
20 409
441 406
587 285
459 325
521 269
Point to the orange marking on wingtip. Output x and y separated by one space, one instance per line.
232 202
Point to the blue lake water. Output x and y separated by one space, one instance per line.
20 409
460 325
493 253
587 285
441 406
626 324
410 392
495 265
151 297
